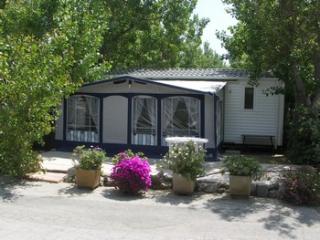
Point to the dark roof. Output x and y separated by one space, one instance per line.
186 73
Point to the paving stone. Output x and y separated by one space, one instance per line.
222 179
51 177
262 189
273 194
221 190
207 187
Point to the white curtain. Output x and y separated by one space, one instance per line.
144 120
91 111
169 107
181 116
137 110
194 116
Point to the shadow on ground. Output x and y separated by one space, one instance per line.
74 191
174 199
9 187
275 215
159 196
113 194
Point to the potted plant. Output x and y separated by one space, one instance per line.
88 169
186 162
242 170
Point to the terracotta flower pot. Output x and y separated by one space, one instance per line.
182 185
240 185
88 178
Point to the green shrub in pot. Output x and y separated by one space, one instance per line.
88 170
186 163
242 170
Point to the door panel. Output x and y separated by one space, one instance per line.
115 119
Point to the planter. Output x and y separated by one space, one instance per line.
88 178
182 185
240 185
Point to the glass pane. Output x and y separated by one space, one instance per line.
83 119
144 129
248 100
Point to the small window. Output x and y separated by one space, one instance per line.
248 98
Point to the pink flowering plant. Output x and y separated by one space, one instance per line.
126 155
132 175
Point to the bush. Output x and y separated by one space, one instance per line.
301 187
89 158
132 175
185 159
304 137
18 161
126 155
242 166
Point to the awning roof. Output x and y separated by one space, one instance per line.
210 87
197 86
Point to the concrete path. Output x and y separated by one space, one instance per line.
57 161
34 210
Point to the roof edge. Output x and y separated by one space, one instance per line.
127 77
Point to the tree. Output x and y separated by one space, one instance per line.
47 49
283 36
154 34
202 58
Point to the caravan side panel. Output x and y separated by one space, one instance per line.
266 117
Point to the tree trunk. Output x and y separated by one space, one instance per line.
316 97
301 97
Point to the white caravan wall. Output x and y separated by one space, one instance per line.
220 115
209 120
266 118
115 119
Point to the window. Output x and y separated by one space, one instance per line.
144 129
180 117
248 98
83 119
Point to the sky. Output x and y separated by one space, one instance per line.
219 20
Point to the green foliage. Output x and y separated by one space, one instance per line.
47 49
301 187
185 159
242 166
155 34
304 142
201 58
89 158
